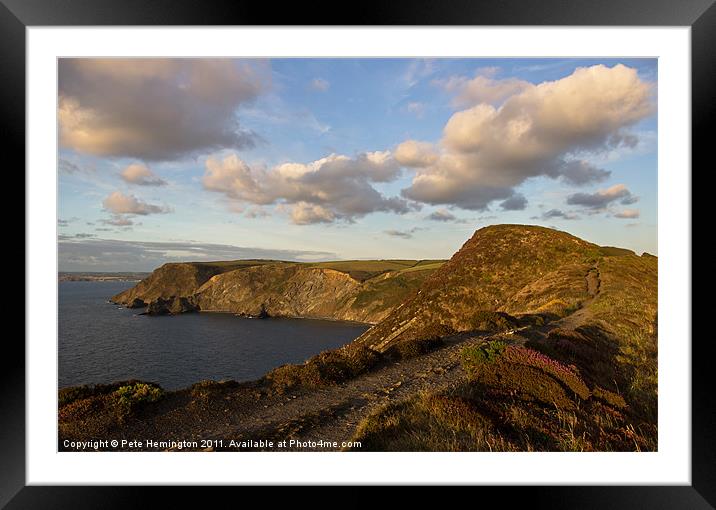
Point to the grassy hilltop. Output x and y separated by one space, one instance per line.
528 338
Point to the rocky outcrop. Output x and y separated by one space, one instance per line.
174 279
177 279
281 289
136 303
172 306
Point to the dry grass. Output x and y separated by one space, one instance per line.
473 417
495 264
431 422
627 306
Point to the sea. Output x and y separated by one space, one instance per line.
100 342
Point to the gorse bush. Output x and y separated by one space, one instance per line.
128 398
474 356
74 393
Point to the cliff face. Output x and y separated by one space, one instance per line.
169 280
362 291
177 279
279 291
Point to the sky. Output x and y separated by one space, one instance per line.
165 160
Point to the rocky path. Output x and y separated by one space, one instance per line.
333 413
593 282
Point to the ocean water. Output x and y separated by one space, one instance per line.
100 342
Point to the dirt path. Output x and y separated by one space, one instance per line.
332 414
593 282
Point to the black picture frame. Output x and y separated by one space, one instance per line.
700 15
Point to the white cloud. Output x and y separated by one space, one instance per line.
416 154
119 203
155 109
320 85
487 151
329 189
483 88
140 174
304 213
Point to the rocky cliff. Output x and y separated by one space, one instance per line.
362 291
180 279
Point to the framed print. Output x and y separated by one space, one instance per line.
435 247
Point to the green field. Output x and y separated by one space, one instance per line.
363 270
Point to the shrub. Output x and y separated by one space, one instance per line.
69 395
79 408
205 388
487 352
361 360
406 349
434 331
535 320
484 320
214 385
325 369
73 393
287 377
129 398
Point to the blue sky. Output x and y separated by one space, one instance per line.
201 160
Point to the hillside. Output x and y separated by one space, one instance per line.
364 291
502 268
527 339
